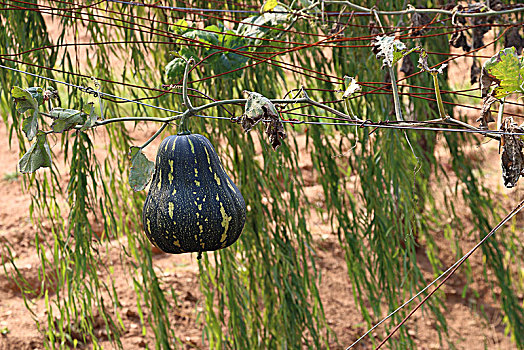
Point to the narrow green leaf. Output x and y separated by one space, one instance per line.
66 119
38 156
141 170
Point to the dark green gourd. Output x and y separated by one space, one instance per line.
192 205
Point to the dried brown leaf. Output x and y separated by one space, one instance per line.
512 158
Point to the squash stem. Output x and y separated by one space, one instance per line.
183 130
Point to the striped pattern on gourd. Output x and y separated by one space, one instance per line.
192 204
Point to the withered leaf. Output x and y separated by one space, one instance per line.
407 67
458 39
259 108
485 112
512 158
513 38
275 132
423 64
419 20
474 72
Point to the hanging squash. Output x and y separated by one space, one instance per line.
192 204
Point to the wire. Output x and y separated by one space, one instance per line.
451 270
85 89
380 125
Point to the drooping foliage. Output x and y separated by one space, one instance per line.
263 291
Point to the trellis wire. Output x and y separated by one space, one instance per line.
451 270
367 123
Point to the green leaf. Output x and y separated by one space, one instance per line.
37 93
30 125
181 26
141 170
269 5
174 69
24 100
89 110
66 119
253 27
505 70
38 156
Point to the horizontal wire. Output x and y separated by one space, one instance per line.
294 122
99 92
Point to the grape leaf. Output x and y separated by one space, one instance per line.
141 170
505 70
66 119
38 156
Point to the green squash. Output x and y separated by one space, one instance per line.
192 205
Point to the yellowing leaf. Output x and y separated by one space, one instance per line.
269 5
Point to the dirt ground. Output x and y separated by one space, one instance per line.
469 329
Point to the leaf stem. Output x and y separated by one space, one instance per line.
441 111
154 136
500 113
396 98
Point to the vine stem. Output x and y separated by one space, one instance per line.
185 98
415 10
396 98
190 110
